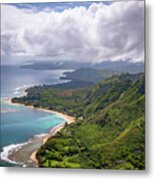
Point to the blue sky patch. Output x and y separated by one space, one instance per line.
57 6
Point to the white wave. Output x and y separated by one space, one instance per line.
7 110
7 151
40 135
53 129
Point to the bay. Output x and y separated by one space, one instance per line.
20 123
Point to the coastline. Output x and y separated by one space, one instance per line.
40 139
45 139
69 119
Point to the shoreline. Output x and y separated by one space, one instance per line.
69 119
44 139
52 132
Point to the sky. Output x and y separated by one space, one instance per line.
84 31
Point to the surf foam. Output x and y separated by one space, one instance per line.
9 149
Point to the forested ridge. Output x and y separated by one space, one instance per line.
109 132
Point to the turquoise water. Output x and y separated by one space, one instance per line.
20 123
23 124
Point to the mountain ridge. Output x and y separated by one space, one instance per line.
109 131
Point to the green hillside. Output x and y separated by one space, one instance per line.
110 129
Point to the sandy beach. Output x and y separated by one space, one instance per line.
52 133
69 119
30 150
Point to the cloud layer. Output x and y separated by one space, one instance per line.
99 32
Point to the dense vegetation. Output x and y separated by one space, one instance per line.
109 132
74 84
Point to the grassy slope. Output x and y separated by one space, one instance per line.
111 133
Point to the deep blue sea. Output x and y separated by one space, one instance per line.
20 123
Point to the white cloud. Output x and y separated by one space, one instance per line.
97 33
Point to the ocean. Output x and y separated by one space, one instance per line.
20 124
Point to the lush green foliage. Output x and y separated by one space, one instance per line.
74 84
109 131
